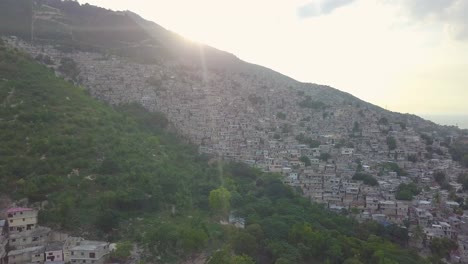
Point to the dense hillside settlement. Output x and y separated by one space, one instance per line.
334 149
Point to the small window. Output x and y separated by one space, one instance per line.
24 219
13 240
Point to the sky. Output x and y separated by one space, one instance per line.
409 56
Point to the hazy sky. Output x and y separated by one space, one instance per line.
404 55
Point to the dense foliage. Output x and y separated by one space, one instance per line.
407 191
301 138
391 142
459 152
366 179
309 103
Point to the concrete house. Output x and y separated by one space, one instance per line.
89 252
30 238
27 255
54 252
347 151
3 241
21 219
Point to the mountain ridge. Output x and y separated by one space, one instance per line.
171 43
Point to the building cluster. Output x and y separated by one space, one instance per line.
317 138
22 241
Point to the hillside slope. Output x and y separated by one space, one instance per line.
117 173
71 27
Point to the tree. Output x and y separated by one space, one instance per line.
441 179
224 256
383 121
243 259
192 239
244 243
391 142
463 180
306 161
441 247
413 158
366 179
281 115
220 200
123 251
107 220
255 230
324 156
407 191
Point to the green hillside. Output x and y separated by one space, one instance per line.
121 174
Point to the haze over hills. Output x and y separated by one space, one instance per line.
69 26
130 177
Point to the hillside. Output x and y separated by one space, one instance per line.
71 27
118 173
128 132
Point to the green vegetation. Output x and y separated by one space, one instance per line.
441 179
69 67
306 160
441 247
391 166
123 251
281 115
307 140
391 143
309 103
413 158
383 121
325 156
407 191
366 179
356 127
256 100
427 139
463 180
459 152
220 200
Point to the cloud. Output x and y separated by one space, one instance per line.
322 7
451 13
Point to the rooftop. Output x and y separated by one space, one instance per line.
19 209
86 245
54 246
25 250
